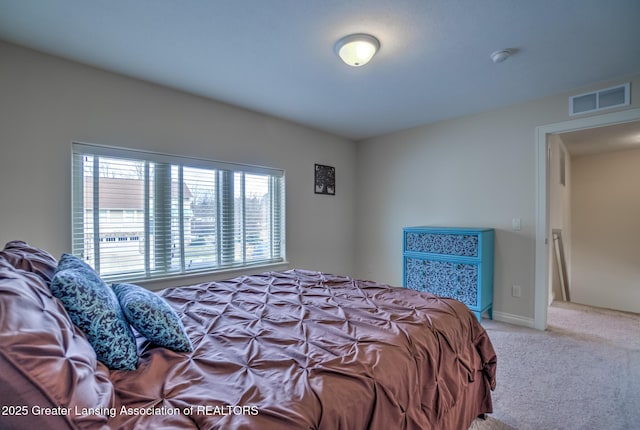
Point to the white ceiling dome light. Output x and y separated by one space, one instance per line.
357 49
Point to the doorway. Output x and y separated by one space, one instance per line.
543 240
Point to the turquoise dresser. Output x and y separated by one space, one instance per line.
451 262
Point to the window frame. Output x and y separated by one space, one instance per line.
225 172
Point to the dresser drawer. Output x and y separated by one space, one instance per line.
464 245
443 278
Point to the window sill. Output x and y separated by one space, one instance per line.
182 280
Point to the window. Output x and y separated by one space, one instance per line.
140 215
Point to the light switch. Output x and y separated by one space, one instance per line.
515 224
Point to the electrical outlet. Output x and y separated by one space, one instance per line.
516 291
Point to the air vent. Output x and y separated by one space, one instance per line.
606 98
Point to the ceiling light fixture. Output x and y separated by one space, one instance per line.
501 55
357 49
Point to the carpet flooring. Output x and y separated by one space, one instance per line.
583 372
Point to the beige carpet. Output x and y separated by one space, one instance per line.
490 423
582 373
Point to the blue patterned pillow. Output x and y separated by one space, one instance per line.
152 317
94 308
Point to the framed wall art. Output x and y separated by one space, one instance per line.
325 179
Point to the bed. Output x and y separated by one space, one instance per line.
280 350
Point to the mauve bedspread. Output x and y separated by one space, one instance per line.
306 350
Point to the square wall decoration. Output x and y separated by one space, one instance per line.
325 182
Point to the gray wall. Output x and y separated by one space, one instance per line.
605 202
559 213
474 171
47 103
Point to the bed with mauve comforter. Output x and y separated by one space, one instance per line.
280 350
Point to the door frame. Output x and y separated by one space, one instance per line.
541 287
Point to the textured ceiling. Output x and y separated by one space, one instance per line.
277 57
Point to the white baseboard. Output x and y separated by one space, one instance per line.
513 319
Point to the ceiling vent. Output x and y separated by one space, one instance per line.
606 98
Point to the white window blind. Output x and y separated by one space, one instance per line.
141 215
